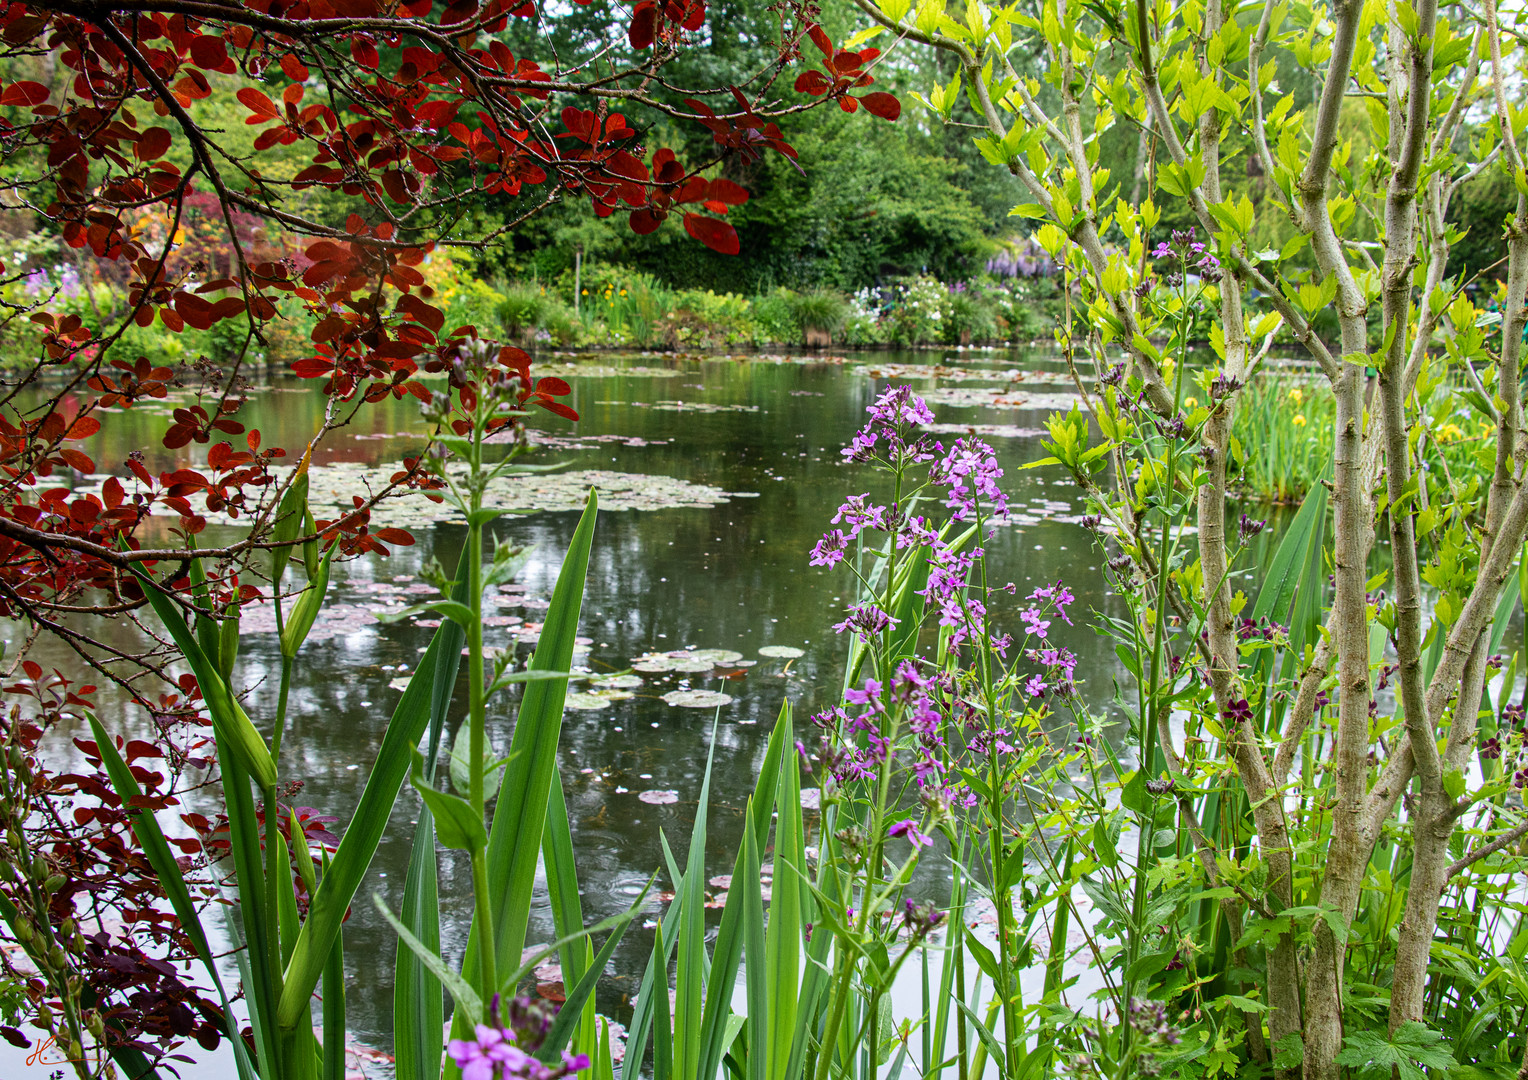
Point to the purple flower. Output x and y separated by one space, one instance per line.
490 1055
1035 687
871 695
830 549
1162 251
909 829
1033 624
1237 711
857 514
867 620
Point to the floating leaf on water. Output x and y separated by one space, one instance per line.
781 652
717 656
659 798
656 662
615 682
697 699
967 397
400 684
986 431
577 699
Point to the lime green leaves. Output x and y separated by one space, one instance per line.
457 824
309 602
229 720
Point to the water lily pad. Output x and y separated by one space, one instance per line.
578 699
967 397
659 798
697 699
656 662
717 656
781 652
615 682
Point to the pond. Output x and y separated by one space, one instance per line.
719 474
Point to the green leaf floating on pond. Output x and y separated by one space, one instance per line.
330 487
781 652
697 699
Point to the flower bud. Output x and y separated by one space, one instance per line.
54 883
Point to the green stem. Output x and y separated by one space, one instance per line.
281 699
477 709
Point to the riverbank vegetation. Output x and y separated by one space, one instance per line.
1283 836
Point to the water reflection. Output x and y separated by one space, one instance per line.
729 576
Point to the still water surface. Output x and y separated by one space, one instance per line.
732 575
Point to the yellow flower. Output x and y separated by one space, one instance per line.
623 292
1296 396
1449 432
586 292
1298 421
1189 403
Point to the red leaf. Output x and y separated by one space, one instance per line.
152 144
77 460
83 428
882 104
645 221
811 82
209 52
644 26
401 537
257 103
716 235
24 93
364 53
294 68
112 493
726 191
820 39
553 385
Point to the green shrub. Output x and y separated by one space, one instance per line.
530 312
774 318
968 317
702 319
917 316
818 314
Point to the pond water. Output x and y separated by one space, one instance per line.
720 568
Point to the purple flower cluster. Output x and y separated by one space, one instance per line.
891 433
65 278
1025 260
1190 254
501 1049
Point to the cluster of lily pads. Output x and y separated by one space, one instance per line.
600 691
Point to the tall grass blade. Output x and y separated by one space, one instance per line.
519 819
662 1024
419 1010
782 944
229 721
157 851
334 1012
756 964
567 911
261 988
727 954
690 977
435 676
582 994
